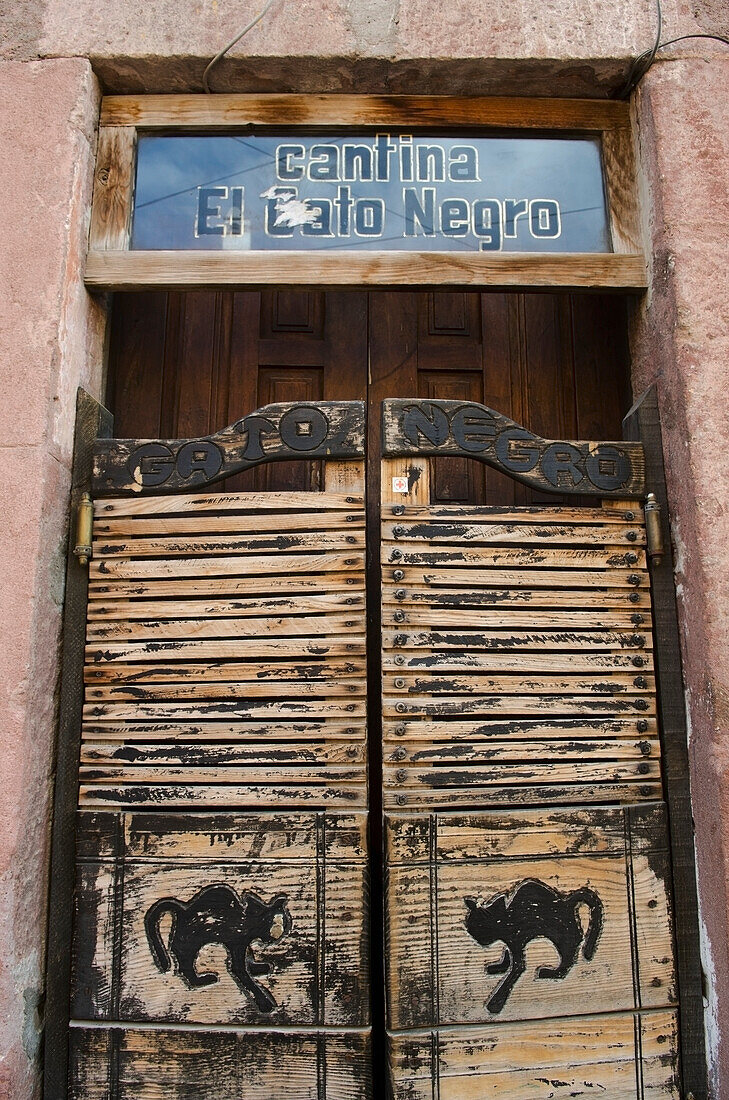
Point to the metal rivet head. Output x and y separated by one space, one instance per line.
641 726
399 593
399 660
350 539
399 616
637 639
397 509
640 682
399 682
399 729
642 704
631 558
645 791
401 775
645 747
399 754
400 708
638 661
396 555
634 597
637 619
400 639
398 575
401 799
398 531
633 579
630 516
632 536
643 769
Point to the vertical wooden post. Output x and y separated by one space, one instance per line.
92 421
642 424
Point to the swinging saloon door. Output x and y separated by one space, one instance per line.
225 860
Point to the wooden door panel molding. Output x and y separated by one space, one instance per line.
274 433
470 430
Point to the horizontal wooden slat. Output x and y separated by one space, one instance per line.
610 512
501 640
186 754
261 775
428 731
254 671
478 683
522 534
211 566
402 553
498 752
533 577
261 731
537 618
268 582
515 775
271 543
311 626
227 523
536 661
295 646
194 503
239 708
214 609
284 689
513 598
228 796
517 705
568 794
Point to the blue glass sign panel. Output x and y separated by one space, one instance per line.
380 191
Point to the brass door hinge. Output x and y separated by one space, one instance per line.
653 530
84 529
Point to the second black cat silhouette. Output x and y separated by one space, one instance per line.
534 910
216 914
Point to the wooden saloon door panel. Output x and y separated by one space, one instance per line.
529 945
220 941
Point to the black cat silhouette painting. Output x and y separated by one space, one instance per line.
216 914
533 911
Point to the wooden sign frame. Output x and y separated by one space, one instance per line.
111 265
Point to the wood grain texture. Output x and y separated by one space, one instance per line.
111 210
136 1064
316 955
437 951
124 271
620 1055
274 433
223 111
472 430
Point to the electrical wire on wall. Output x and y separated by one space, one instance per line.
643 62
218 57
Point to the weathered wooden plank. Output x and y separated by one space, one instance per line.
428 731
228 796
311 626
567 640
294 646
186 754
283 775
444 751
429 597
307 542
209 609
478 682
111 209
537 618
634 577
610 512
200 503
405 553
469 430
227 586
211 672
236 708
449 921
477 799
228 523
271 565
331 429
521 534
538 661
156 1064
618 1055
544 772
305 730
286 689
445 706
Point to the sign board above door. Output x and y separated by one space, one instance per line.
377 191
214 191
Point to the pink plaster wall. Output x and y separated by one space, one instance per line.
50 341
681 342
